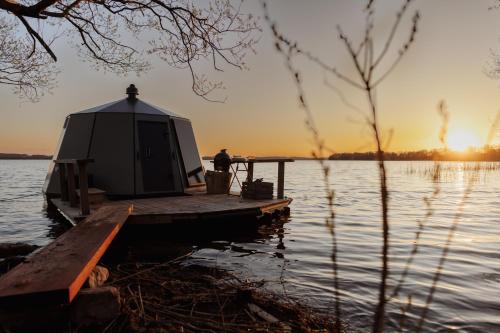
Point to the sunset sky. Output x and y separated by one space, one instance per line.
448 61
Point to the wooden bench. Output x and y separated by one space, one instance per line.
67 182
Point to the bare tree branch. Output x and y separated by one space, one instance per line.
37 37
288 50
180 32
365 63
30 73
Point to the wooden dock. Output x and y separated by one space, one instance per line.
55 274
165 210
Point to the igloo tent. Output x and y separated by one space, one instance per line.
137 149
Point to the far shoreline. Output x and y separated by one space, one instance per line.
486 155
9 156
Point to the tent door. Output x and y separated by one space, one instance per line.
155 154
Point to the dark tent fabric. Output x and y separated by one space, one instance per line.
138 149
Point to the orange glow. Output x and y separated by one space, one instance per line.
461 140
262 117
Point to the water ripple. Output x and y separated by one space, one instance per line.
297 258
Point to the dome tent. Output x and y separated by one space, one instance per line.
137 149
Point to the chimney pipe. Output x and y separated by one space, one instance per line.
132 92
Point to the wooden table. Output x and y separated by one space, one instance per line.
249 163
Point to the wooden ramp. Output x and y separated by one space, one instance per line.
56 273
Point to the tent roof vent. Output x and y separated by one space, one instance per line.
132 92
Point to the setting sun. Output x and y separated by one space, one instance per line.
460 140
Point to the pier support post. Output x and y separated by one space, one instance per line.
84 187
71 185
250 172
281 179
62 181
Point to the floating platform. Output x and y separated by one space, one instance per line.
55 274
167 210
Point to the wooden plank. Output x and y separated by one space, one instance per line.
73 160
185 208
239 159
56 273
195 204
260 159
277 205
270 159
145 219
72 214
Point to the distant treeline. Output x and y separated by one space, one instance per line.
490 154
6 156
297 158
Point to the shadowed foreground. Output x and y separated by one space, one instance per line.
177 298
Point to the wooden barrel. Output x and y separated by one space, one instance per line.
217 181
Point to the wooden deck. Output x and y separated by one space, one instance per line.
200 207
55 274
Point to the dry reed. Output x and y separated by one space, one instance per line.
365 62
172 297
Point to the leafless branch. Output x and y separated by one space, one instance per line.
28 72
444 254
365 63
181 32
37 37
288 50
428 201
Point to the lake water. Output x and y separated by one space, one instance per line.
295 259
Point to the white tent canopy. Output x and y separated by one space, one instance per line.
138 149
